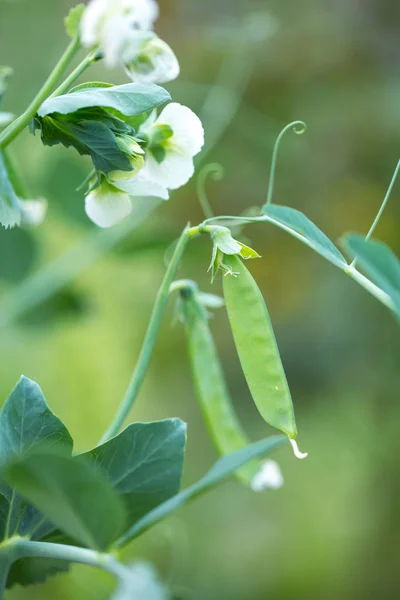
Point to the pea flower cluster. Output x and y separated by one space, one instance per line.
161 148
123 29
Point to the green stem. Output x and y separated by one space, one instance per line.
300 131
81 68
21 122
382 208
150 337
106 562
7 557
352 272
373 289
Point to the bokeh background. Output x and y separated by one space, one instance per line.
248 68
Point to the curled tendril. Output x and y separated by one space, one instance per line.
298 127
214 170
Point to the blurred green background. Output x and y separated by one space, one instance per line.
248 68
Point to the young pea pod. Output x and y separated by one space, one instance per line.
221 420
257 349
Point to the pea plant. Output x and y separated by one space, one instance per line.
57 507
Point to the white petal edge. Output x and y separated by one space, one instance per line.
186 125
107 208
33 212
269 477
174 172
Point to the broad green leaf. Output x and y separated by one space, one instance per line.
10 211
88 85
72 493
144 464
129 99
27 571
89 132
297 224
72 21
379 262
27 424
223 468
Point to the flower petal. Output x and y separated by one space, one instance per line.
153 62
106 206
268 477
91 22
33 212
175 170
186 125
140 186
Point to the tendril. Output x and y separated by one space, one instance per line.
298 127
214 170
382 208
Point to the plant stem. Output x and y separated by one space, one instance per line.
382 208
106 562
15 128
81 68
150 337
373 289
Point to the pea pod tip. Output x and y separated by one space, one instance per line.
296 450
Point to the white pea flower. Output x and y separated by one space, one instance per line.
5 119
107 206
269 477
140 582
173 139
133 182
111 24
148 59
33 212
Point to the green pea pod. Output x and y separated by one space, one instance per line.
257 349
221 420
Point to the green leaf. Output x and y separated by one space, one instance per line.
10 211
144 463
73 20
298 225
92 137
379 262
72 493
27 571
129 99
27 424
223 468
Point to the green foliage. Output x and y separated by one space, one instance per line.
72 21
90 132
129 99
297 224
10 211
379 262
27 425
73 494
89 118
257 348
223 468
144 463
